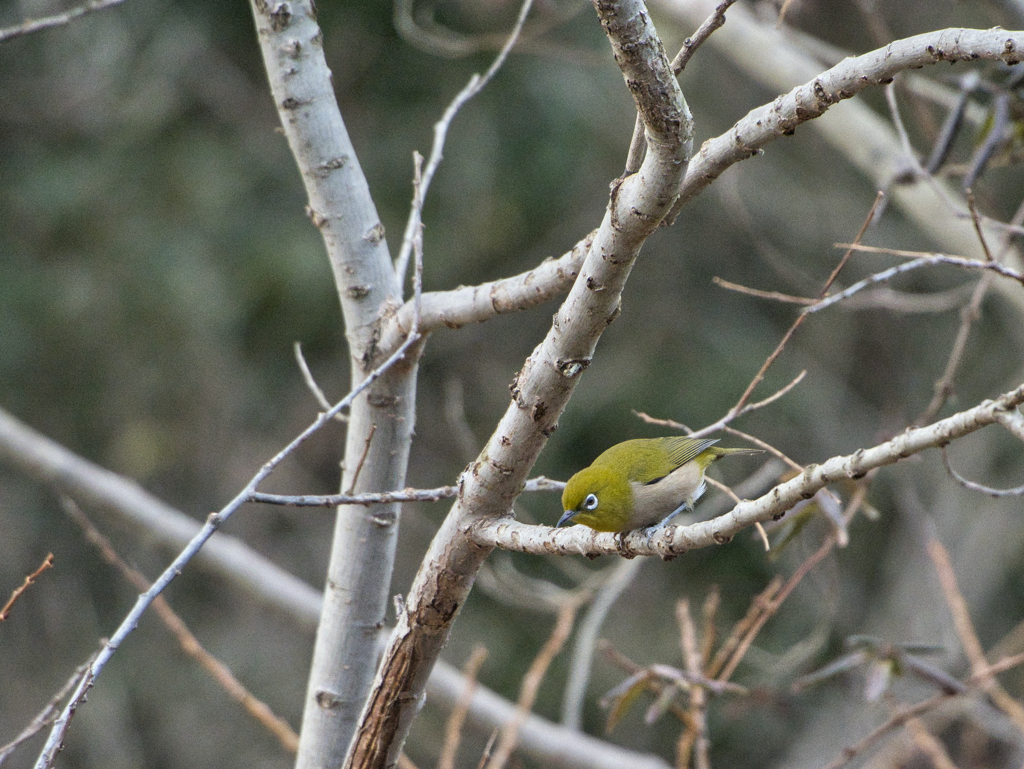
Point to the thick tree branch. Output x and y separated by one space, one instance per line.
540 391
381 422
676 540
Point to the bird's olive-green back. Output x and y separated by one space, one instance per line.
644 460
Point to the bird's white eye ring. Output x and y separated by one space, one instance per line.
590 502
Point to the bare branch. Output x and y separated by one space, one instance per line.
96 487
253 573
29 580
213 522
57 20
638 143
540 483
1015 492
924 261
216 669
475 304
672 541
541 390
843 81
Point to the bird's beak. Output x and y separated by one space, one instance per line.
566 517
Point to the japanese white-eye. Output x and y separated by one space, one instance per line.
641 483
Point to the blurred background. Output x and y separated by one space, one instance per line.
156 267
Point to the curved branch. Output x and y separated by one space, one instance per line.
541 390
673 541
475 304
848 78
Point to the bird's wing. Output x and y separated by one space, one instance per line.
681 450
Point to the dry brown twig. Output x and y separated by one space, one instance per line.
533 678
457 718
29 580
46 716
965 630
901 717
775 296
216 669
929 744
694 739
769 607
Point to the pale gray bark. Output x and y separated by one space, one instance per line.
381 420
540 392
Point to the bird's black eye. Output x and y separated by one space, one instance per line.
590 502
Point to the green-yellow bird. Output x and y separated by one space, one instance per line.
640 483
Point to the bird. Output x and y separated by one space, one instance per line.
641 483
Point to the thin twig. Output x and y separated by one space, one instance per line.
362 459
692 658
929 744
966 632
710 632
57 20
307 377
976 221
1015 492
540 483
968 315
414 225
901 717
217 670
740 629
690 45
793 464
924 261
46 716
773 295
29 580
771 606
213 522
729 417
799 319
